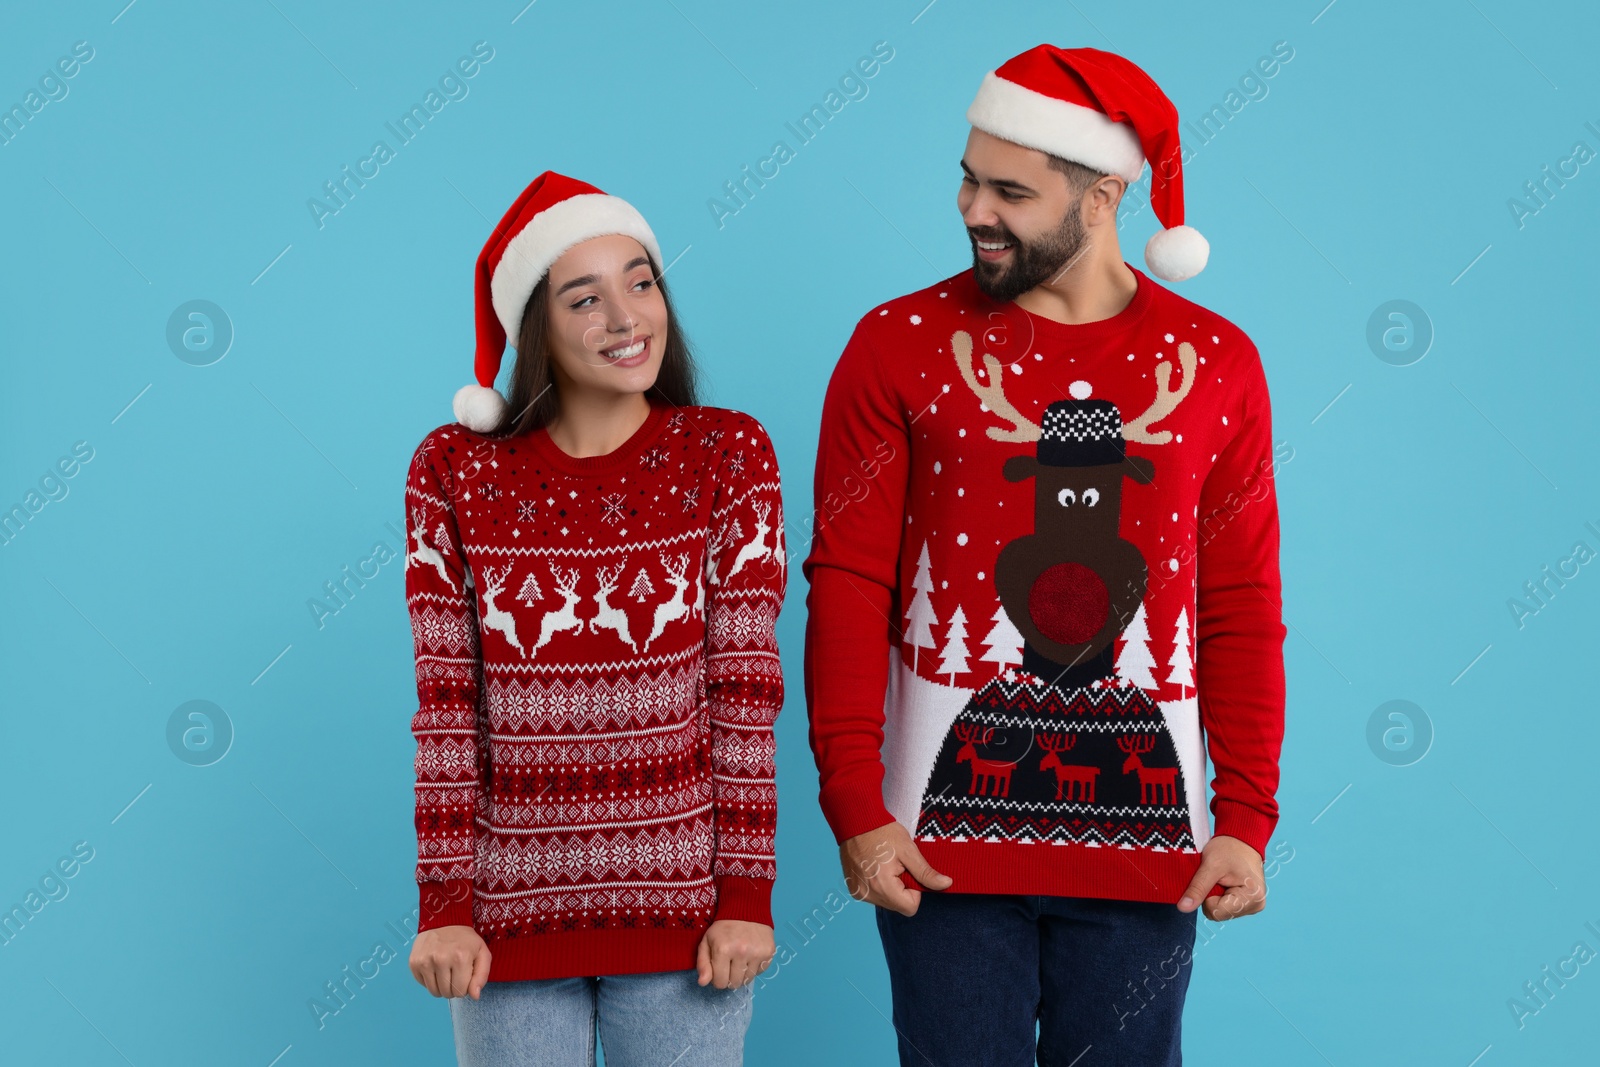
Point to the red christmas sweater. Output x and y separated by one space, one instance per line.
597 680
1043 585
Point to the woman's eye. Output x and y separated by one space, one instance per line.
646 283
582 303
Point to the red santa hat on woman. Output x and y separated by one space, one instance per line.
553 213
1098 109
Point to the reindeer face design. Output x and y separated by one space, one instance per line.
1073 584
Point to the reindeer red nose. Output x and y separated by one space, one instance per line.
1069 603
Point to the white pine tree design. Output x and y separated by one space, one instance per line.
1133 665
641 586
1182 666
953 658
1005 643
920 618
530 590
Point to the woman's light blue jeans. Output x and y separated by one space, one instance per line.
644 1020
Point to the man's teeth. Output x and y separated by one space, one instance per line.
993 246
626 353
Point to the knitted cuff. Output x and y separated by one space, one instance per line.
1234 819
447 903
746 899
853 809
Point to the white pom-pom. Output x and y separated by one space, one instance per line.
1177 253
478 408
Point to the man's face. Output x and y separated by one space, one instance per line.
1024 221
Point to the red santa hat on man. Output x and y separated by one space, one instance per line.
553 213
1101 110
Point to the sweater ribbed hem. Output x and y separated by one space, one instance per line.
1060 870
590 953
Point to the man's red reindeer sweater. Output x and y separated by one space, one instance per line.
597 680
1044 585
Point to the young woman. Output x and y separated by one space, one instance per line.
593 576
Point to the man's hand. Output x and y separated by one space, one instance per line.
452 961
732 952
872 864
1234 865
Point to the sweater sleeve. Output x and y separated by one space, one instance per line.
1239 625
852 567
451 756
746 578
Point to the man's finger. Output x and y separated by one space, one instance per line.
1200 885
920 868
893 894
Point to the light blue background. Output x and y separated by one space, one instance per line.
1419 501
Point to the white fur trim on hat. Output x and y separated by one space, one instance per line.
530 254
1016 113
478 408
1177 253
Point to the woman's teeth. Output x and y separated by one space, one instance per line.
625 353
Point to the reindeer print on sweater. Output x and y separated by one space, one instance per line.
1094 506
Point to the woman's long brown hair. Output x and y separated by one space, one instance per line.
533 401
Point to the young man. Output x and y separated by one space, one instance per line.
1044 583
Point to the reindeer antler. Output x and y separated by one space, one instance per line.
1056 742
1166 400
993 395
1136 744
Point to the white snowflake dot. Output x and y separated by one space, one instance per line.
1215 339
1080 389
1169 338
885 311
916 320
937 466
1172 565
1224 420
1130 355
961 539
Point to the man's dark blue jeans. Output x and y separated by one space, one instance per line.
973 973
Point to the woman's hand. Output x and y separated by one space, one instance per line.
452 961
733 952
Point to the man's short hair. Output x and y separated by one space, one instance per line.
1079 177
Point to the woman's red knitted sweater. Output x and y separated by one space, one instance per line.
597 679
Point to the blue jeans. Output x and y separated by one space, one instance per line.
973 974
643 1019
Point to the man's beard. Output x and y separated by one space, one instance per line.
1032 262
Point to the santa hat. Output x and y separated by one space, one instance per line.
1098 109
553 213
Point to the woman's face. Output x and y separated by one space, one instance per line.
608 321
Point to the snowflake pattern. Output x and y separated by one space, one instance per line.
612 511
691 498
736 463
653 459
527 510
